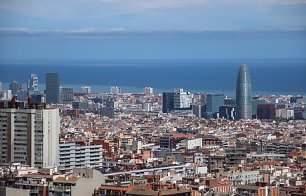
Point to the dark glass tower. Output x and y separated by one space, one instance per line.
243 94
52 87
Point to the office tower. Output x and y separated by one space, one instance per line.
148 90
33 84
182 100
243 94
14 87
227 112
266 111
229 101
66 95
52 88
255 102
115 90
85 89
176 100
168 102
111 104
197 110
214 101
29 136
1 86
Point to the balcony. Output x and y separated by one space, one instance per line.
30 183
60 188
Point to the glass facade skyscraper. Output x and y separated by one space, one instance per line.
52 88
243 94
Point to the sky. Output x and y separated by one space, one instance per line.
152 29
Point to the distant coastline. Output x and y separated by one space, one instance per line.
269 76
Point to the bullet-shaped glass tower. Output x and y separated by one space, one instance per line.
243 94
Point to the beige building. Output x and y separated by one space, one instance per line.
82 182
29 136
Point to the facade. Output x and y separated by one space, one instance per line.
115 90
176 100
168 102
33 84
255 102
86 89
191 143
66 95
214 101
5 95
243 94
148 90
52 88
245 176
182 100
285 113
82 182
227 112
266 111
29 136
79 155
14 87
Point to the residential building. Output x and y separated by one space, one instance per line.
79 155
29 136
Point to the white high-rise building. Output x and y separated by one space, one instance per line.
33 84
72 155
29 136
86 89
115 90
5 95
182 99
148 90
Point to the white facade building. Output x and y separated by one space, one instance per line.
245 177
181 99
33 84
148 90
284 113
5 95
72 155
191 143
86 89
115 90
29 136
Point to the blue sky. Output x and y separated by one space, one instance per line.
152 29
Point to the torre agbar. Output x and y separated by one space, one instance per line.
243 94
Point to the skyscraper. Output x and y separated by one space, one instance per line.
33 84
66 95
243 94
14 87
52 88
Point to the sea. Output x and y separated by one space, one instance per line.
268 76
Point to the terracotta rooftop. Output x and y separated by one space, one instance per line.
66 180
